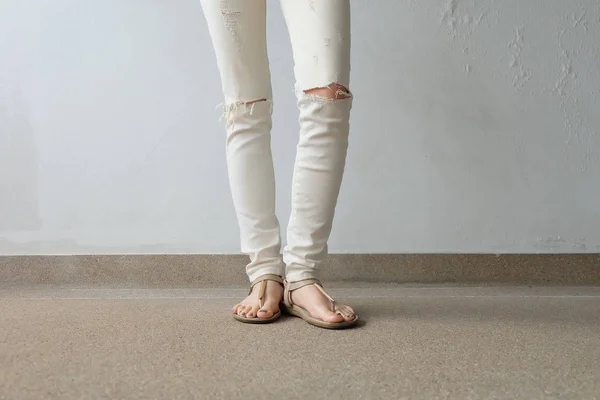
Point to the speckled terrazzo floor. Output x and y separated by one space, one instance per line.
415 342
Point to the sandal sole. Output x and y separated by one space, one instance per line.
257 320
305 316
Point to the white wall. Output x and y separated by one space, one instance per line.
476 128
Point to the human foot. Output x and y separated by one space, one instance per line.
262 304
313 300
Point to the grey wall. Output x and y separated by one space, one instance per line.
475 128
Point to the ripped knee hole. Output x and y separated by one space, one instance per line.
334 91
254 101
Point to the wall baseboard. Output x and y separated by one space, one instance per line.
186 271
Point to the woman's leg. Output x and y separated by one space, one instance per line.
238 31
320 36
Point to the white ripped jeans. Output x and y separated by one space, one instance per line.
320 35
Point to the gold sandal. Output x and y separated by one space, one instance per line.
261 295
300 312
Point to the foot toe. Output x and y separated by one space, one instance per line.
346 312
252 312
332 317
265 314
243 310
348 317
268 310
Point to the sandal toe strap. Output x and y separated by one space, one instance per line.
290 287
263 286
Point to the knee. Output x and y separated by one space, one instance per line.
334 91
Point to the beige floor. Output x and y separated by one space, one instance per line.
416 342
